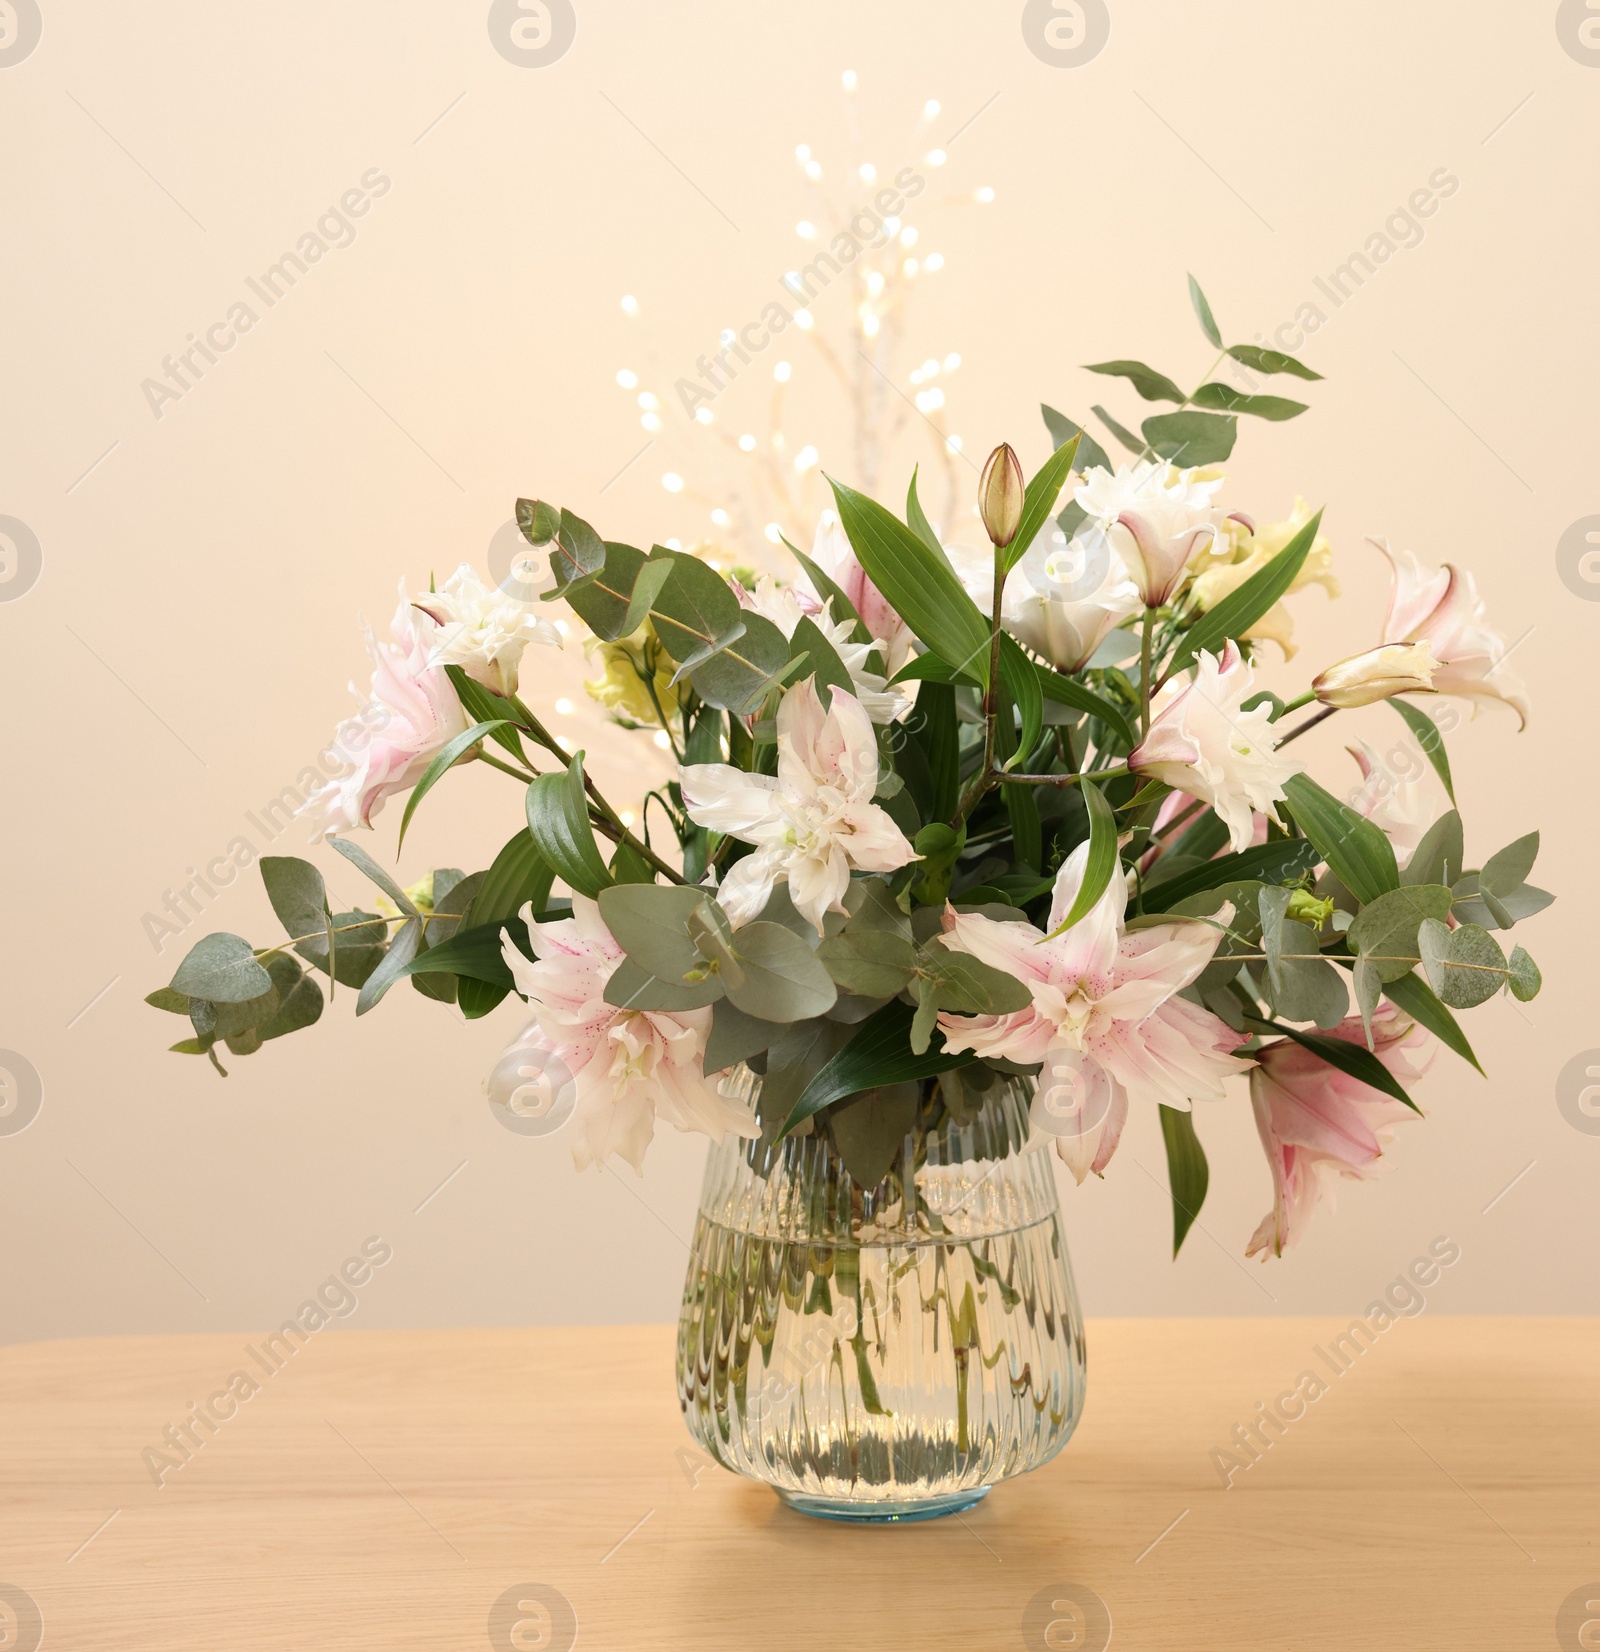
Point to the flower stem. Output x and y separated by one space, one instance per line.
1310 723
1144 669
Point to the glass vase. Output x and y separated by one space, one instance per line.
883 1352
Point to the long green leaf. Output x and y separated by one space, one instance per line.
1039 500
558 818
483 707
520 876
435 771
477 954
1102 861
1062 430
917 518
1357 852
1134 444
1279 862
1349 1057
1259 360
1202 309
1188 1174
936 731
1021 679
880 1053
1223 398
1238 611
357 856
832 593
1413 995
1153 386
1068 691
918 581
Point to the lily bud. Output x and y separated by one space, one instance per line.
1000 492
1378 674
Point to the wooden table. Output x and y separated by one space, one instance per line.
386 1489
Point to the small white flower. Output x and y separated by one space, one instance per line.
483 629
1200 742
1062 599
813 822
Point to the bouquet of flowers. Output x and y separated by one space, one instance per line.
936 816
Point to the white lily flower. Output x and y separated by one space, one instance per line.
1200 742
483 629
1157 517
814 822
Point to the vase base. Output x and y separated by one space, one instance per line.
883 1511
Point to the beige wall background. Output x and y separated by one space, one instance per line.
182 653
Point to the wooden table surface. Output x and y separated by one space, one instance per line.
387 1489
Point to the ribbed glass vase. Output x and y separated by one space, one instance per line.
885 1352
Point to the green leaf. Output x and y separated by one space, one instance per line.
483 707
538 521
1522 902
1385 932
222 969
1063 430
299 999
402 949
919 583
1280 862
298 895
164 998
1102 863
1190 439
964 985
1134 444
1465 965
1524 978
783 978
1368 988
880 1053
938 847
936 732
1039 500
1223 398
358 857
558 818
796 1055
616 599
650 924
739 676
1025 690
917 519
1259 360
821 660
1356 851
1240 609
1438 855
1413 995
1153 386
359 942
519 877
1188 1174
1304 987
1027 831
695 613
1429 738
1068 691
1352 1058
844 610
579 553
1208 323
871 1130
1508 869
478 954
872 963
631 988
448 754
735 1036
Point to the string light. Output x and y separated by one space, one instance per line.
781 371
626 378
672 482
848 80
702 415
747 443
563 708
804 320
630 304
806 230
805 458
984 194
